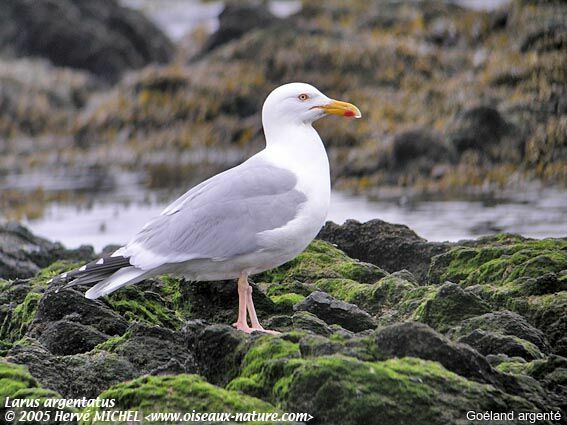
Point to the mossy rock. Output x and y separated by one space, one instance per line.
494 343
17 319
267 360
509 263
449 305
285 302
179 393
17 383
342 390
504 323
322 260
136 303
546 312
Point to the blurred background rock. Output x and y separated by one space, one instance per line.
110 109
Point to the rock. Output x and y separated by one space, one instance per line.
180 393
392 247
118 38
236 19
333 311
310 322
23 254
419 148
316 345
505 323
17 383
153 350
483 129
513 273
97 370
419 340
448 305
550 372
342 390
546 312
492 343
219 350
267 360
321 260
64 337
71 305
218 301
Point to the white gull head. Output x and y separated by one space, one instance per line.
301 104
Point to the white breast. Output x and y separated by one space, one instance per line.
302 153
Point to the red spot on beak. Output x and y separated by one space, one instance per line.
349 114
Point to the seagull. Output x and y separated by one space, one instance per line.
243 221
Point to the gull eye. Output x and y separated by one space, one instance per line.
303 97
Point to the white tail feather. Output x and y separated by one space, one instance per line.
123 277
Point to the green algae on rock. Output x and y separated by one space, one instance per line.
344 390
180 393
448 305
17 383
263 365
322 260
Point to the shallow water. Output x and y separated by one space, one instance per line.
114 217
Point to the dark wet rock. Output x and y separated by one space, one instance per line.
218 301
118 38
549 372
278 322
419 340
405 275
18 383
503 322
392 247
64 337
71 305
497 359
236 19
75 376
333 311
23 254
484 129
310 322
492 343
448 305
219 350
153 350
419 148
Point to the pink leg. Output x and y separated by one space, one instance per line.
245 302
241 323
252 313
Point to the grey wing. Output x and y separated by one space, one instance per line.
220 218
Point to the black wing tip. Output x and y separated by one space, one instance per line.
90 273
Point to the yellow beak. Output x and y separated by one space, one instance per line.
345 109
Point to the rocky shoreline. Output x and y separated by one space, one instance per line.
418 332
